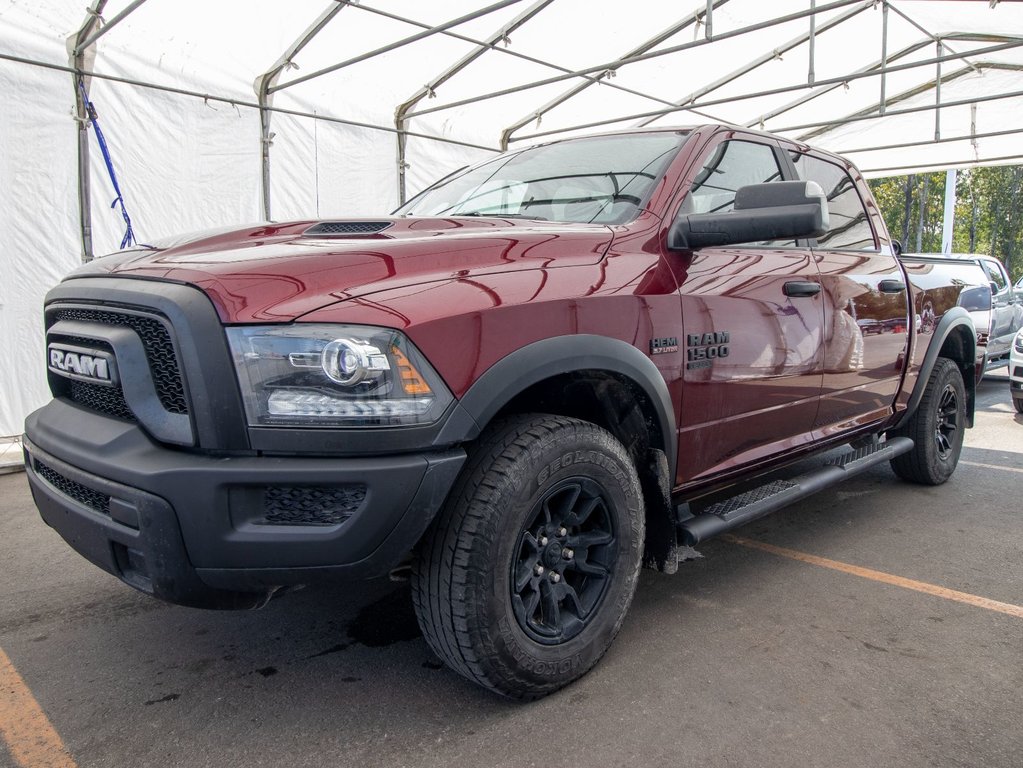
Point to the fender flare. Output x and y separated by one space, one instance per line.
544 359
954 318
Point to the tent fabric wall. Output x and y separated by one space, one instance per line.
186 162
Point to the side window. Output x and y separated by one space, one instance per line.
849 226
733 164
994 274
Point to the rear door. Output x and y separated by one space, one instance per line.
866 303
752 325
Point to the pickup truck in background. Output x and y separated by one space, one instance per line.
998 320
535 377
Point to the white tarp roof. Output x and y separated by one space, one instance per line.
520 71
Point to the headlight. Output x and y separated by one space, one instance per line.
334 375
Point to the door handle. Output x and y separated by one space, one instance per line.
802 288
891 286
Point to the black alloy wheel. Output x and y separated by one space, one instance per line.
565 558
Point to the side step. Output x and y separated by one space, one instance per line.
739 510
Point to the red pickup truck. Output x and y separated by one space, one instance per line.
538 375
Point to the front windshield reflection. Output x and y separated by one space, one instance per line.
603 180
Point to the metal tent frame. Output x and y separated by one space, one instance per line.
821 19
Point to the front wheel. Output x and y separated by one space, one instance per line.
525 577
937 428
1018 404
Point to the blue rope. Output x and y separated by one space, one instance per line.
90 109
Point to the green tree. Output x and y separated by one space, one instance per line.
988 216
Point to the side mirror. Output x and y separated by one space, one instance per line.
897 248
773 211
994 288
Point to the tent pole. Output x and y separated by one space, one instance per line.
265 98
81 46
972 137
950 211
708 21
77 54
429 90
813 42
882 103
937 95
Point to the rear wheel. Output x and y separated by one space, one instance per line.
937 428
1018 403
525 577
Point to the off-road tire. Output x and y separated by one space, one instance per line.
937 428
471 560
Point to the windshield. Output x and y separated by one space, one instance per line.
604 179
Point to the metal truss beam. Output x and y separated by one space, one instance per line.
428 90
82 45
619 63
909 93
397 43
506 52
767 57
772 91
660 37
928 142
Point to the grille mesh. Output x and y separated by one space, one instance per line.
311 505
347 228
94 500
108 400
163 362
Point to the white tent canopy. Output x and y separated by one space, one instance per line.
233 111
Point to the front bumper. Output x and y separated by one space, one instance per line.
194 529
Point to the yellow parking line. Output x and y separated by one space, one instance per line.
30 738
990 466
885 578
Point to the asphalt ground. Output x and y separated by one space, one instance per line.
746 657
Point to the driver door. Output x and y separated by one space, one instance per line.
752 319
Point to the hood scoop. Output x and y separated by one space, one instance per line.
346 228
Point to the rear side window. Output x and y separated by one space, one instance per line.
849 227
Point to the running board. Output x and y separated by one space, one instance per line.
739 510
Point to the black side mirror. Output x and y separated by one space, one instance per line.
773 211
897 248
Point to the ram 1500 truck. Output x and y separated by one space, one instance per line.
536 376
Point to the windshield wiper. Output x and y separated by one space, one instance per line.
500 215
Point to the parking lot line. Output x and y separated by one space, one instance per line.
27 732
990 466
886 578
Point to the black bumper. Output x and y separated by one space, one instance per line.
194 529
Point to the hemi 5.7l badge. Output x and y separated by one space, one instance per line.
663 344
82 364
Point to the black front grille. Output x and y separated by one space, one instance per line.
95 397
327 228
156 340
94 500
311 505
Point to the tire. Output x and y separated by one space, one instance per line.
937 428
526 575
1017 402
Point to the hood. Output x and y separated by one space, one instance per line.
278 272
